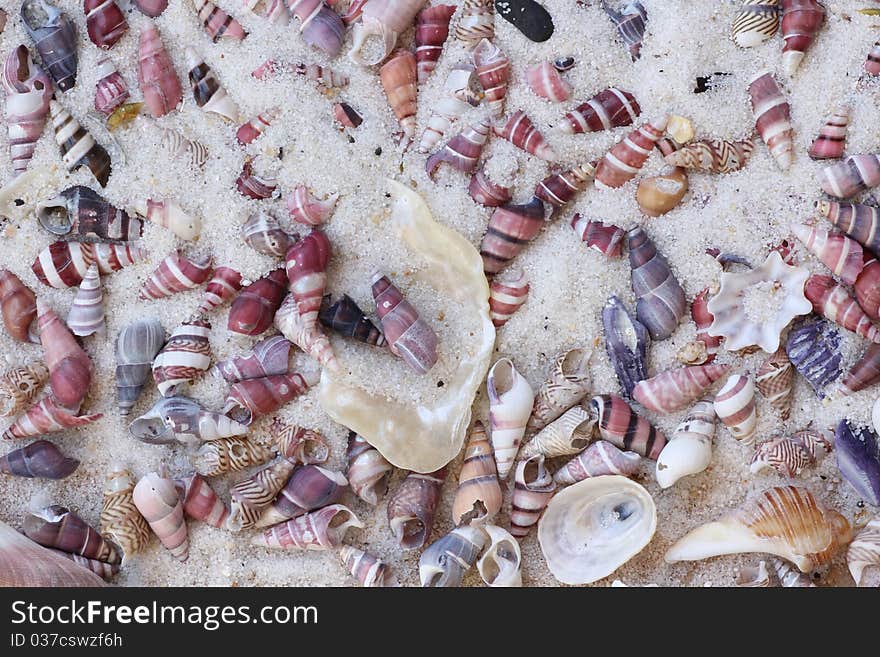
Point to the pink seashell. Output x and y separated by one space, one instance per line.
346 115
772 118
600 458
70 368
105 22
318 530
831 142
250 131
493 70
559 189
253 186
853 174
306 266
63 264
610 108
510 228
310 340
463 151
157 500
545 81
156 76
252 311
111 91
28 92
385 19
86 315
184 358
486 192
304 208
842 255
224 284
801 21
268 357
832 301
168 214
522 133
409 336
532 490
176 273
151 8
626 158
607 239
320 26
18 305
217 23
200 501
325 77
506 295
46 416
672 390
253 398
275 11
432 30
867 288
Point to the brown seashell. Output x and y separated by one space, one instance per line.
70 368
121 522
399 80
775 381
478 496
57 527
25 563
492 67
176 273
659 194
368 471
218 457
412 506
19 386
254 308
801 22
18 305
789 455
830 144
568 383
252 495
476 22
305 446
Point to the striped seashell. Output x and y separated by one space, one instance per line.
47 416
626 343
346 115
772 118
182 419
368 471
252 398
249 132
28 92
735 406
570 433
608 109
86 315
867 288
568 383
507 292
217 23
201 502
323 529
457 98
189 151
754 577
111 91
325 77
522 133
445 562
408 334
275 11
833 301
660 299
510 405
558 189
830 144
121 522
626 158
412 506
105 22
185 356
346 318
486 191
872 63
78 147
621 426
207 91
492 67
607 239
54 36
789 577
478 496
70 368
264 234
672 390
367 569
532 490
224 284
789 455
64 264
863 374
312 341
399 81
309 487
305 446
157 78
306 266
432 30
20 385
858 459
176 273
462 152
630 23
852 175
863 555
842 255
103 570
689 450
545 82
510 228
308 210
170 215
860 222
713 155
814 350
38 460
476 22
229 455
270 356
801 22
600 458
156 498
57 527
254 308
250 185
775 381
18 305
757 21
137 345
254 494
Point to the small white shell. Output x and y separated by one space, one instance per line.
510 404
735 406
689 449
501 561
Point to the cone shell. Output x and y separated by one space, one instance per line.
263 234
399 80
137 345
672 390
478 496
217 23
432 30
252 398
689 450
832 301
253 309
559 189
626 158
20 385
462 152
86 315
713 155
224 284
105 22
207 91
409 336
608 109
63 264
157 79
54 36
251 131
41 459
801 22
830 144
346 318
626 343
47 416
121 521
772 118
545 82
659 194
600 458
28 91
201 502
533 488
25 563
789 455
291 441
814 350
522 133
367 569
18 305
492 67
661 302
306 209
863 555
757 21
568 383
310 487
843 256
510 228
368 471
70 368
857 221
735 406
775 381
510 405
621 426
507 293
78 147
268 357
318 530
445 562
864 373
306 265
412 506
170 215
852 175
476 22
229 455
157 500
57 527
176 273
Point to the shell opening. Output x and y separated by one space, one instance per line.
363 41
477 512
410 532
339 523
53 216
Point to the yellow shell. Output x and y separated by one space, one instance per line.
659 194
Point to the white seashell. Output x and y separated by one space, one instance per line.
568 383
754 577
863 555
458 97
735 406
689 449
510 404
789 577
593 527
568 434
501 561
737 322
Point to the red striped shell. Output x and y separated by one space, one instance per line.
306 209
621 426
522 133
772 118
735 407
111 91
610 108
510 228
224 284
672 390
830 144
462 152
493 71
176 273
184 358
217 23
507 293
545 81
306 265
607 239
105 22
843 256
409 336
250 131
627 157
833 301
801 22
254 308
432 30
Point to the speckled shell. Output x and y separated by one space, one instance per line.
86 315
224 284
368 471
251 131
510 228
254 308
843 256
789 455
852 175
41 459
412 506
18 305
772 118
600 458
57 527
264 234
28 91
78 147
168 214
626 158
318 530
757 21
252 398
630 22
254 494
20 385
545 82
830 144
801 22
864 373
507 292
659 194
305 446
674 389
492 67
432 30
157 79
310 487
661 302
217 23
70 368
270 356
558 189
814 350
306 266
105 22
445 562
735 406
137 345
176 273
775 381
462 152
621 426
713 155
399 81
207 91
121 521
863 555
476 22
305 208
568 383
229 455
519 130
367 569
157 500
54 36
626 343
689 449
346 318
478 496
184 358
47 416
833 301
608 109
182 419
24 563
409 336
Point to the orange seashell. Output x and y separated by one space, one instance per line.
399 80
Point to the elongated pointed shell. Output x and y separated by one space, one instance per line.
476 22
368 472
176 273
41 459
608 109
867 288
789 455
70 368
801 22
432 30
689 449
462 152
772 118
28 91
157 500
626 343
775 381
47 416
501 562
735 406
510 404
859 222
830 144
137 345
445 562
409 336
478 496
54 36
672 390
312 341
832 301
757 21
184 358
19 386
346 318
254 308
814 350
56 527
532 490
522 133
224 284
252 398
631 23
558 189
307 209
310 487
593 527
786 521
170 215
78 147
121 521
713 155
661 302
111 90
568 383
182 419
306 265
626 158
858 459
25 563
63 264
852 175
207 91
269 357
492 67
864 373
157 79
399 80
863 555
229 455
367 569
250 496
18 305
506 294
600 458
510 228
621 426
323 529
412 506
217 23
86 315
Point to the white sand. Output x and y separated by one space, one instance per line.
744 213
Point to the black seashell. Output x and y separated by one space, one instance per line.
528 17
346 318
626 342
40 459
814 350
83 212
858 459
630 22
54 36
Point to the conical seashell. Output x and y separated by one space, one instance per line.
306 265
323 529
254 494
507 292
385 20
831 142
207 91
137 345
229 455
217 23
201 502
600 458
54 36
533 488
545 82
510 228
41 459
626 343
789 455
70 368
814 350
312 341
660 299
735 406
462 152
18 305
833 301
754 577
57 527
78 147
630 22
852 175
801 21
458 97
859 222
501 562
568 383
184 357
224 284
251 131
608 109
253 186
785 521
412 506
863 555
264 234
156 498
867 288
476 22
772 118
368 471
757 21
156 76
25 563
689 449
713 155
775 381
672 390
252 398
522 133
595 526
105 22
478 496
47 416
621 426
432 30
399 81
306 209
63 264
858 459
659 194
510 405
176 273
170 215
864 373
121 521
368 570
192 152
568 434
323 76
28 91
492 67
310 487
627 157
182 419
19 386
558 189
269 357
86 315
80 211
346 318
446 560
607 239
409 336
305 446
843 256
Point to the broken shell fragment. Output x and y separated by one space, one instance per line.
57 527
368 570
775 381
323 529
20 385
713 155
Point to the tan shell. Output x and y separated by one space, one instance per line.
863 555
121 522
478 497
501 562
775 381
658 194
568 383
19 386
566 435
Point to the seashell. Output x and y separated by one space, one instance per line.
398 78
80 211
674 389
347 116
735 406
184 357
252 310
754 307
224 284
368 471
408 335
528 16
867 289
25 563
306 209
78 147
104 570
545 82
309 487
105 22
218 24
607 239
170 215
754 577
229 455
269 357
385 19
832 301
843 256
533 488
56 527
207 91
522 133
275 11
137 345
311 340
830 144
263 234
121 522
151 8
789 577
250 185
600 458
857 221
123 115
476 22
86 315
63 264
863 555
156 76
661 302
176 273
432 30
626 157
689 450
559 188
192 152
510 405
595 526
325 77
772 118
858 459
785 521
865 372
412 506
368 570
41 459
492 67
252 495
47 416
757 21
801 22
54 36
201 502
3 17
458 97
506 294
510 228
20 385
626 343
789 455
713 155
568 384
608 109
852 175
621 426
70 368
306 266
28 91
630 22
318 530
301 445
346 318
251 398
446 560
462 152
872 63
156 498
775 381
478 496
659 194
251 131
814 350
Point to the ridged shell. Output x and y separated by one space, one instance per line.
475 22
814 350
54 36
568 434
478 496
411 508
754 576
775 381
20 385
626 158
569 382
600 458
863 555
318 530
842 255
522 133
86 314
121 522
830 144
860 222
157 79
558 189
156 498
254 494
399 80
833 301
137 345
192 152
789 455
310 487
367 569
217 23
224 284
492 67
47 416
713 155
305 446
674 389
757 21
532 489
229 455
445 562
863 374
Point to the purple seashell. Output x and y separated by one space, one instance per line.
858 459
54 36
661 303
320 26
626 342
346 318
814 350
630 23
269 357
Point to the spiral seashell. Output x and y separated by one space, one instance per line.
661 302
47 416
25 563
412 506
18 306
54 36
156 498
852 175
713 155
446 560
568 383
250 185
626 158
398 78
185 356
103 570
251 131
80 211
462 152
607 239
408 335
318 530
176 273
19 386
121 522
56 527
63 264
368 570
206 88
254 494
630 22
151 8
863 374
253 309
600 458
626 343
672 390
867 288
217 23
156 76
229 455
476 22
610 108
458 97
754 577
41 459
510 228
785 521
325 77
189 151
296 443
801 22
863 555
568 434
86 315
384 19
306 266
346 318
168 214
432 30
263 234
832 301
306 209
621 426
501 561
772 118
506 294
843 256
659 194
70 368
860 222
251 398
858 459
510 405
269 357
830 144
559 189
137 345
28 91
320 26
789 577
224 284
347 116
311 340
78 147
105 22
522 133
814 350
201 502
478 496
309 488
275 11
789 455
735 406
368 471
757 21
775 381
545 82
492 67
592 528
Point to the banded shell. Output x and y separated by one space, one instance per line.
121 521
510 405
475 22
80 211
54 36
867 288
306 266
789 577
346 116
446 560
47 416
182 419
558 189
105 22
269 357
346 318
801 21
294 442
412 506
41 459
409 336
217 23
70 368
863 555
168 214
502 560
311 340
323 529
156 498
492 67
251 131
627 157
368 472
814 350
607 239
689 450
713 155
184 358
100 568
254 308
310 487
252 398
568 383
659 194
399 81
507 292
57 527
252 495
872 62
510 228
457 98
264 234
600 458
327 78
757 21
307 209
626 343
462 152
432 30
224 284
674 389
630 22
608 109
28 92
520 131
772 118
20 385
25 563
857 221
660 299
78 147
157 78
621 426
832 301
207 91
775 381
545 82
137 345
858 459
201 502
229 455
86 315
63 264
789 455
533 487
852 175
478 496
253 186
830 144
192 152
176 273
568 434
368 570
735 406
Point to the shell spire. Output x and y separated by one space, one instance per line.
830 144
185 356
661 302
457 98
626 158
346 318
121 521
28 92
399 80
111 90
801 22
506 294
478 496
432 30
70 368
86 315
566 435
251 130
168 214
833 301
385 19
492 67
78 147
462 152
409 335
476 22
156 498
860 222
842 255
558 189
545 82
47 416
757 21
533 487
306 266
522 133
412 506
137 344
864 373
608 109
510 228
772 118
621 426
105 22
156 76
176 273
510 405
736 408
217 23
672 390
63 264
852 175
224 284
40 459
207 91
